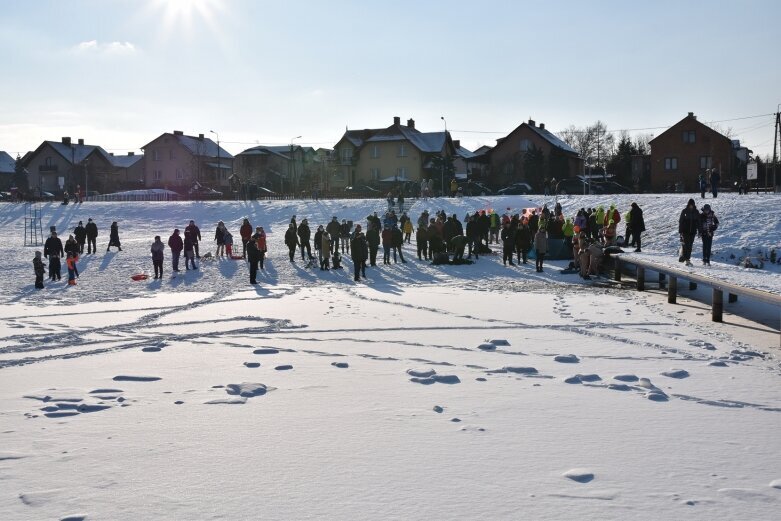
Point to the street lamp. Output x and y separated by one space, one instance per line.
442 180
292 166
219 164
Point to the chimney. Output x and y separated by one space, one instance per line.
200 137
81 141
542 126
66 141
691 115
411 123
457 143
531 122
131 153
111 154
178 133
396 120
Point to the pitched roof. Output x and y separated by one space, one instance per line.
553 139
75 153
7 163
126 161
201 147
690 117
464 153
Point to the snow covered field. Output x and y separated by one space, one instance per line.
455 392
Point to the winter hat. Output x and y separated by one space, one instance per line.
37 254
89 220
691 203
176 230
357 227
706 208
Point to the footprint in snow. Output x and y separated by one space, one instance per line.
266 351
676 373
580 475
134 378
626 378
286 367
566 359
252 365
340 365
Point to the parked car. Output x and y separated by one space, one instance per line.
611 187
516 189
204 192
472 188
576 186
364 190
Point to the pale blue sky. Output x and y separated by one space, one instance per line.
120 72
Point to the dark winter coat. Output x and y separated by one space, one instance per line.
708 223
359 248
345 230
689 221
304 233
472 230
397 238
194 231
157 250
113 237
523 238
291 239
484 223
175 243
219 235
334 229
253 254
189 242
80 233
72 247
508 237
92 230
636 221
387 237
38 267
318 238
373 237
53 247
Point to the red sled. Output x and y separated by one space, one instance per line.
140 276
236 257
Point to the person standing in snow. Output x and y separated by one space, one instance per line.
304 238
195 233
715 179
219 238
334 229
92 235
359 249
421 239
253 257
228 239
260 242
325 249
53 250
157 249
373 240
688 228
523 241
541 247
246 234
291 240
70 262
39 269
636 224
508 244
176 245
387 241
81 236
113 238
708 225
397 240
189 251
344 236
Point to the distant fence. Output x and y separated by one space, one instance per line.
133 197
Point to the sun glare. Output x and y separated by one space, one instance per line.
184 13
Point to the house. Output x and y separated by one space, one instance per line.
7 169
57 166
531 153
129 172
396 154
462 160
175 160
684 151
285 168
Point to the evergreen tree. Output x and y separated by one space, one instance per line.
19 178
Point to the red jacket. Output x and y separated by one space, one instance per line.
387 237
260 240
245 231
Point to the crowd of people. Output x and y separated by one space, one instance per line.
440 238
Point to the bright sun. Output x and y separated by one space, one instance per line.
178 13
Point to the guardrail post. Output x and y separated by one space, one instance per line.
692 286
672 290
617 273
662 283
640 278
717 307
732 298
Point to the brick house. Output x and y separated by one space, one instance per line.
7 170
129 170
684 151
530 153
384 157
57 166
175 160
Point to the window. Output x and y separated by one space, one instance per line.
48 161
670 164
689 136
401 173
402 150
157 175
375 174
375 151
706 162
526 145
172 154
347 155
179 173
155 155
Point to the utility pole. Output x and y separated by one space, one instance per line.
292 166
442 177
777 128
219 163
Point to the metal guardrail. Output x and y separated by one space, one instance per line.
673 274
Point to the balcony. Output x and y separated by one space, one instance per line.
44 169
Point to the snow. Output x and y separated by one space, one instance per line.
656 413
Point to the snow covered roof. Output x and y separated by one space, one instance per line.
202 147
125 161
464 153
76 153
553 139
263 150
430 142
7 163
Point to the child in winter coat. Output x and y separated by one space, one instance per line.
189 251
325 248
157 250
407 231
228 239
70 262
541 247
39 270
708 224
